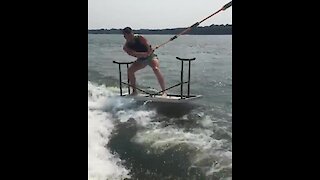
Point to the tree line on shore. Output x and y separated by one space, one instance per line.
205 30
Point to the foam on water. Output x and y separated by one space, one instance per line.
105 110
142 117
102 163
209 153
208 143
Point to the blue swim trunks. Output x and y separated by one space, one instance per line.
147 60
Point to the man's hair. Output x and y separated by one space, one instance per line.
127 30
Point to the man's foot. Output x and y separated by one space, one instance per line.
134 93
164 94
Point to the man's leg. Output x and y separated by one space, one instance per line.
156 69
132 79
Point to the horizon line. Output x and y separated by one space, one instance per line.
162 28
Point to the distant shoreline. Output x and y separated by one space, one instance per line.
205 30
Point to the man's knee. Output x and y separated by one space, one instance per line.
155 68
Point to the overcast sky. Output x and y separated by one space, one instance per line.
155 14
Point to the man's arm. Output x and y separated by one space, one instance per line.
144 41
129 51
135 53
139 54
